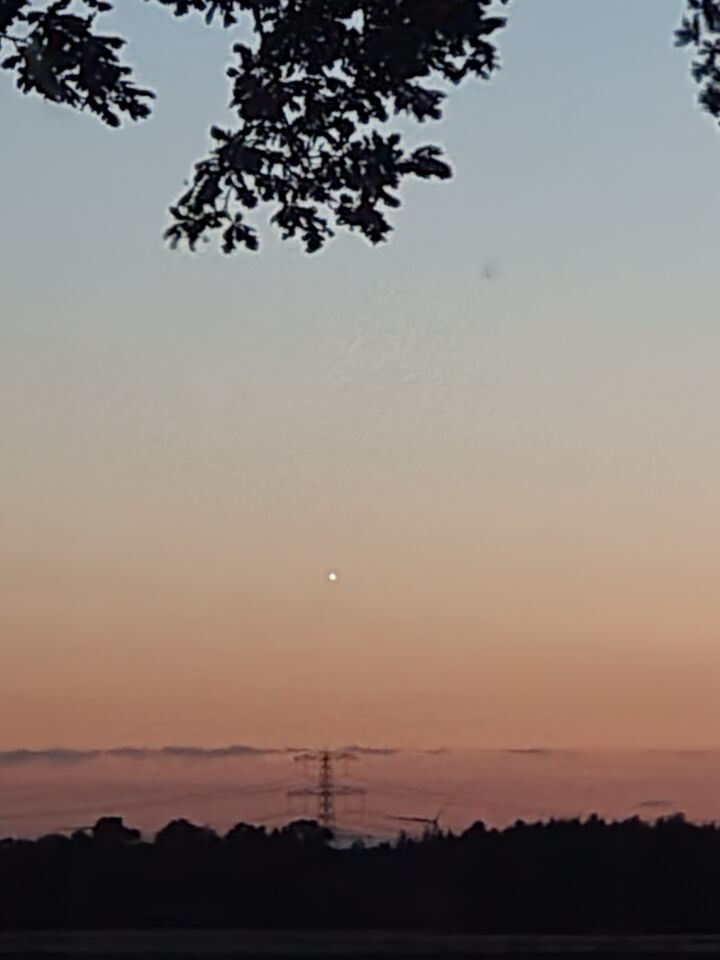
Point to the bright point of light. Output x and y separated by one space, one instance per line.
332 576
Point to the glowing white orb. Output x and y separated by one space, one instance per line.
332 576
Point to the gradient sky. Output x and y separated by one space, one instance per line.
516 477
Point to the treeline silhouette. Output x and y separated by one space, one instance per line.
559 876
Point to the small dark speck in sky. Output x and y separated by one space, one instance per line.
490 271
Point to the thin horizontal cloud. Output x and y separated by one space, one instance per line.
65 755
62 755
532 751
54 755
654 804
215 753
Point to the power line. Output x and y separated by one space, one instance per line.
386 786
145 802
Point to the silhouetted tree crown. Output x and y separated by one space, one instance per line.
558 876
111 831
314 89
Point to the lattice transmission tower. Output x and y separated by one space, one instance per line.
326 789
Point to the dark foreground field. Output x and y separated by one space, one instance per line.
212 945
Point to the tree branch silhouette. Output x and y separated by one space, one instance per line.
314 92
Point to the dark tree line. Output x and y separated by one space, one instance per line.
566 876
314 86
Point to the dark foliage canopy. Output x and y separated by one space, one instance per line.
565 876
314 90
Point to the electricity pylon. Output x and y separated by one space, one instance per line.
326 789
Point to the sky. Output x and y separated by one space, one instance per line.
54 790
501 429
